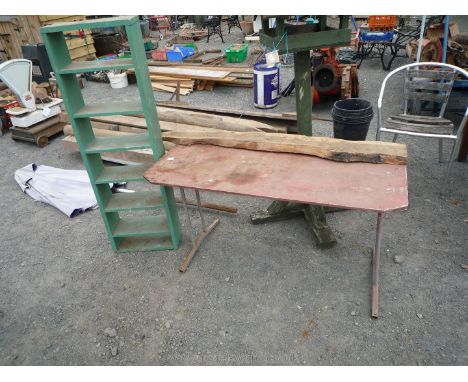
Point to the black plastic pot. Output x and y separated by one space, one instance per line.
351 119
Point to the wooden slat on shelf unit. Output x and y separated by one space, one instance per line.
110 174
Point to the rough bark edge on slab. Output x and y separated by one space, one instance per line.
322 147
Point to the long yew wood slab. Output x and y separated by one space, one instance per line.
282 176
328 148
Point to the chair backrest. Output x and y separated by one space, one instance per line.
213 21
420 65
425 85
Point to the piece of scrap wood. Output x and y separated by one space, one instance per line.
328 148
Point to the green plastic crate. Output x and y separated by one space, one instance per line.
192 45
237 52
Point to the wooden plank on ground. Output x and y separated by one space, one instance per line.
169 89
124 120
326 148
229 68
190 73
212 121
173 83
169 119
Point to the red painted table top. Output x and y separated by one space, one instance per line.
290 177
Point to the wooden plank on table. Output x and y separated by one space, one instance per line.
284 176
326 148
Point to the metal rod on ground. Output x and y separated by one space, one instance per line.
376 266
211 206
197 194
187 215
186 262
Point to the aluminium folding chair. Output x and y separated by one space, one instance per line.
425 82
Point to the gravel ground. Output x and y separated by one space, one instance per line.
254 294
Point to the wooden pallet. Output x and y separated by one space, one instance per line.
39 133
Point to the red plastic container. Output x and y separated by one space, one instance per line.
159 55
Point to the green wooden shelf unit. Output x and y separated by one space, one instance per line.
127 231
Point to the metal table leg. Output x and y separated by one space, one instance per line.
376 265
196 243
187 215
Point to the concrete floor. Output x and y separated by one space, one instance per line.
254 294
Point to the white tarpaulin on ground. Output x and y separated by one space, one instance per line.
68 190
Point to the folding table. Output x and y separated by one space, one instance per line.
283 176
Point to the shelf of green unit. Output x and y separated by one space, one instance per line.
105 22
97 65
133 244
113 108
134 201
123 143
154 226
110 174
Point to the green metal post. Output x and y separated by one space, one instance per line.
303 92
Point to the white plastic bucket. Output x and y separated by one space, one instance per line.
118 81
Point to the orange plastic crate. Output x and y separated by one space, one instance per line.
381 22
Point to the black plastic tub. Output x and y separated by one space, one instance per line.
351 119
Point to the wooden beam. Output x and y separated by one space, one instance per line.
326 148
170 89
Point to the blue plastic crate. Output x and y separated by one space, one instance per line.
377 36
179 52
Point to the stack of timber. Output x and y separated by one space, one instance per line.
171 121
204 77
169 83
189 33
40 132
16 31
80 45
283 122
